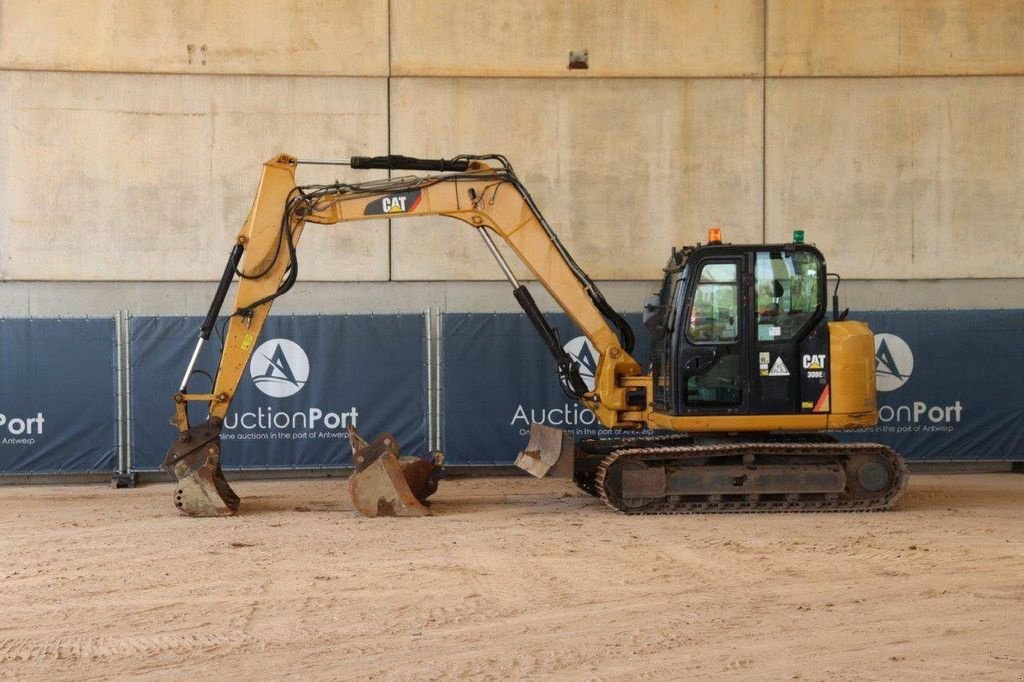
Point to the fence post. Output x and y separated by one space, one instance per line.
439 417
124 477
428 360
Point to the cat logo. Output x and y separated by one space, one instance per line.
403 202
814 361
814 366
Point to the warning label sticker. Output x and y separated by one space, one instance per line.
779 369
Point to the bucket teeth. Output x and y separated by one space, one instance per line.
384 483
194 461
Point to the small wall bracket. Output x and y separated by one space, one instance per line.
579 59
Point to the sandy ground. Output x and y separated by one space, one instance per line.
513 578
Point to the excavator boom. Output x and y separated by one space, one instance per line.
482 192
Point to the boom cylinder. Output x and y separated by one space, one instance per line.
222 291
211 316
502 263
399 162
568 369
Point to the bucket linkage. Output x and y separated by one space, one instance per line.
194 461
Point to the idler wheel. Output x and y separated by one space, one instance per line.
869 477
615 486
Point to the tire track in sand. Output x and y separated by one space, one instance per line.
70 648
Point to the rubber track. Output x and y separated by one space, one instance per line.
588 485
810 504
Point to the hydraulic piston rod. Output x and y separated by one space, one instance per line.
211 316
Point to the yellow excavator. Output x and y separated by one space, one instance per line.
746 380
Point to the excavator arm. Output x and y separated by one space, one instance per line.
481 191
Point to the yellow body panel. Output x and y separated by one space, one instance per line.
852 348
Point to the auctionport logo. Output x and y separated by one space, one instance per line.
894 362
582 351
21 429
279 368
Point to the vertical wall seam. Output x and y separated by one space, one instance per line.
387 119
764 122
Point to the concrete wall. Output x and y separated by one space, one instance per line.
533 38
895 37
293 37
131 134
601 157
900 178
143 177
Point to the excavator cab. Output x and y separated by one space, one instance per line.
740 329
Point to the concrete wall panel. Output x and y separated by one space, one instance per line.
136 177
533 37
900 178
895 37
302 37
623 169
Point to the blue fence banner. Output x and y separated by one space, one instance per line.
309 377
951 388
950 384
58 396
499 377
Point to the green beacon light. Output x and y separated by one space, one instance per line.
798 236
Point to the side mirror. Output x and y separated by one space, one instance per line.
652 304
654 315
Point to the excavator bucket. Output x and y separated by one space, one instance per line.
384 483
194 460
550 451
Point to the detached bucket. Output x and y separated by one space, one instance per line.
385 483
550 451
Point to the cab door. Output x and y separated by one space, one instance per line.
660 317
788 332
711 367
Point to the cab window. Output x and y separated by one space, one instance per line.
788 287
714 315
